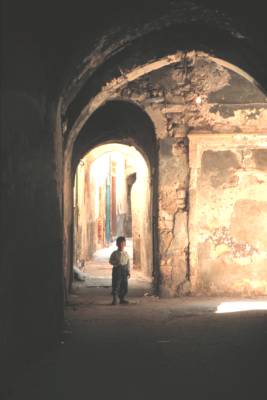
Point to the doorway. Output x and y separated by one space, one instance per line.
112 197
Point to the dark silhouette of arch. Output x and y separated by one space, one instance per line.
117 121
126 123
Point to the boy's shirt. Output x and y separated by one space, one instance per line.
120 258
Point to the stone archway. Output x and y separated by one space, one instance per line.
182 97
183 91
125 123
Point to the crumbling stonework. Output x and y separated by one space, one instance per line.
169 96
190 91
173 183
228 102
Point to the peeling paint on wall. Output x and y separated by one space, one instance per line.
228 222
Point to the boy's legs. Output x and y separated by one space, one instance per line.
116 283
123 285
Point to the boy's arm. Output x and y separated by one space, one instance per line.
112 259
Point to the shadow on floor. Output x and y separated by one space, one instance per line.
156 348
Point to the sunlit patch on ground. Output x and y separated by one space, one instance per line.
238 306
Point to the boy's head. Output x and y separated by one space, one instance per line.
121 242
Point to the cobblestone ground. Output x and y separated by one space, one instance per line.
152 348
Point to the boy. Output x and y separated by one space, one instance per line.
120 272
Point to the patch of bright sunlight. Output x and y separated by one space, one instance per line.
237 306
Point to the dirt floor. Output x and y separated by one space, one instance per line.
152 348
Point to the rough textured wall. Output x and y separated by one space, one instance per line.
84 240
228 213
228 102
121 195
141 220
86 210
173 236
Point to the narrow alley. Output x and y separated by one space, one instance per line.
97 272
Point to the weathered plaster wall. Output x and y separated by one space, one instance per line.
84 239
89 210
141 219
229 102
173 236
228 213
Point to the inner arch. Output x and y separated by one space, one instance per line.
112 197
123 125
